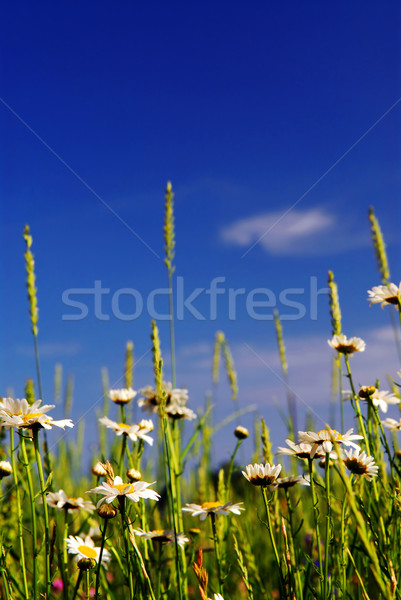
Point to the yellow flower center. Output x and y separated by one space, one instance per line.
87 551
121 487
207 505
323 433
29 416
123 426
158 531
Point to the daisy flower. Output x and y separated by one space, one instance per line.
134 432
291 480
381 399
175 411
385 294
19 413
133 491
360 464
216 508
392 424
217 597
62 501
323 439
164 536
262 475
122 396
85 548
302 450
346 345
150 400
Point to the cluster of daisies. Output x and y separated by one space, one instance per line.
175 400
175 407
320 445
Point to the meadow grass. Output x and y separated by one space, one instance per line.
161 528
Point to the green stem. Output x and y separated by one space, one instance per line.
77 585
35 432
100 560
217 552
316 517
343 547
172 337
128 559
123 446
299 593
362 428
172 470
273 543
384 438
19 515
5 583
33 516
65 556
87 573
230 469
40 390
328 517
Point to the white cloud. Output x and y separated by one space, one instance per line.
298 232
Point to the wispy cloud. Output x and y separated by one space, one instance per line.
300 232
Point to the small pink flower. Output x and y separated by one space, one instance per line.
57 584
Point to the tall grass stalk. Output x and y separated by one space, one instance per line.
43 488
19 515
33 515
168 445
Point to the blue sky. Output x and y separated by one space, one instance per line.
249 110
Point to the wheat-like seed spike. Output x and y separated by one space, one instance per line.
379 246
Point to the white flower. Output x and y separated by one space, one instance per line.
85 548
392 424
346 345
381 399
217 597
323 439
180 412
164 536
262 475
361 464
122 396
385 294
62 501
133 491
291 480
19 413
217 508
134 432
302 450
176 400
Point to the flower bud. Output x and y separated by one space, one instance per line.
241 432
366 391
5 469
134 475
98 470
84 564
107 511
